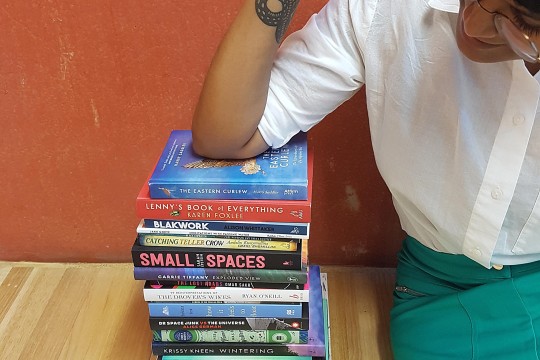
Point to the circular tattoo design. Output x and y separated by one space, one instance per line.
281 19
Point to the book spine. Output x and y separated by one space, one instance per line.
212 210
226 294
326 313
188 310
237 349
151 256
219 284
202 274
226 336
160 190
215 243
225 228
211 236
237 323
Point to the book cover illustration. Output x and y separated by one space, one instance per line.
254 210
238 323
232 336
276 174
315 346
224 228
158 291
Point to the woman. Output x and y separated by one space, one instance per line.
452 101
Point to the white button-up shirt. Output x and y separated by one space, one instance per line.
455 141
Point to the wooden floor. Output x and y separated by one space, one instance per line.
97 311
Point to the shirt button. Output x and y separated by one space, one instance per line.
498 267
518 119
476 252
496 193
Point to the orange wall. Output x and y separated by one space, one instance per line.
89 91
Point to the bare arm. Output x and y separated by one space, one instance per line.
234 94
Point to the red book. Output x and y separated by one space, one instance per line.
227 210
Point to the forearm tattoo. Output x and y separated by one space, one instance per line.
281 19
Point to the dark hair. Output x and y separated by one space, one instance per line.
531 5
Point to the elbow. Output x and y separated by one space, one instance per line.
212 146
209 139
201 146
202 140
226 141
217 146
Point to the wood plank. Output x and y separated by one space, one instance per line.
26 310
13 282
115 309
58 317
4 271
360 300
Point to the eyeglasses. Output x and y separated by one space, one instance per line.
518 41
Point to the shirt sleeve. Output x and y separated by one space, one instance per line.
316 70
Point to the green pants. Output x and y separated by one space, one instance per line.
449 307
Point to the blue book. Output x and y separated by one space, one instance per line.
276 174
254 310
315 346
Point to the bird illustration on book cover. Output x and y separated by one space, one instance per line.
247 167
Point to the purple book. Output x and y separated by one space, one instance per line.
315 345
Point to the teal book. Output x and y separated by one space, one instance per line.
326 312
276 174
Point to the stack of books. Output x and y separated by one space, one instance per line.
223 248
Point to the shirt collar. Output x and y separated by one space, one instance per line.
445 5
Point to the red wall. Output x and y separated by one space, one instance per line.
89 91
